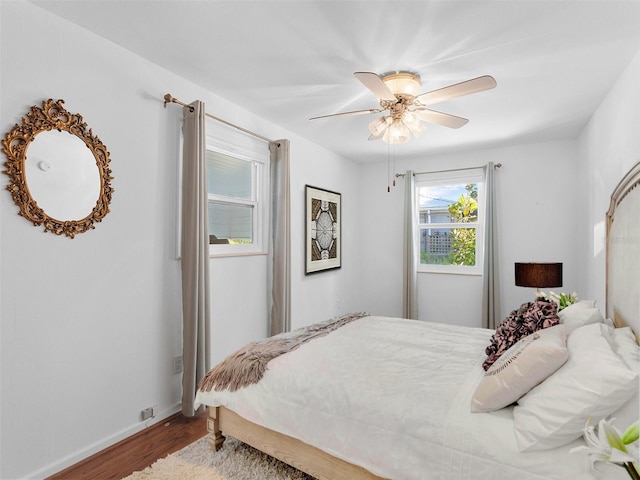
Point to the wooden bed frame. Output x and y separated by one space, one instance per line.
289 450
623 249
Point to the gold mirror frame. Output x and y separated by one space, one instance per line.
52 115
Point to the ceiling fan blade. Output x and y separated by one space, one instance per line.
349 114
440 118
475 85
373 82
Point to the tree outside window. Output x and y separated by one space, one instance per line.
463 244
450 224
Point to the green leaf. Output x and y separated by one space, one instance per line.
630 435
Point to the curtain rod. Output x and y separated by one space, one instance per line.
169 99
497 165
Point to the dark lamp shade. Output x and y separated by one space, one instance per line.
539 275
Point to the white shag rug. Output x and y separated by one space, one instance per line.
235 461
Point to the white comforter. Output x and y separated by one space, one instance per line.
393 395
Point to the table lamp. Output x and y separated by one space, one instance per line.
538 275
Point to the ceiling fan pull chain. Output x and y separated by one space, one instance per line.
394 166
388 165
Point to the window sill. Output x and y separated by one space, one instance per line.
473 273
236 254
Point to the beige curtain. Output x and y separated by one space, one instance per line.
280 251
410 250
194 255
490 284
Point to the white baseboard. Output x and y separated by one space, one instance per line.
80 455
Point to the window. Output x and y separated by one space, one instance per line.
450 222
238 187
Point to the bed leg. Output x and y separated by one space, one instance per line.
216 438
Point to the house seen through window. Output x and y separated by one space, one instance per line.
450 223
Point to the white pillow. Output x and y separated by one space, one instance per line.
527 363
626 347
584 303
593 383
607 332
579 314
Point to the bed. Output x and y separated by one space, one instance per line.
368 397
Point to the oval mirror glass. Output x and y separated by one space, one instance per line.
62 175
58 169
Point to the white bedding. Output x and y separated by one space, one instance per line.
402 414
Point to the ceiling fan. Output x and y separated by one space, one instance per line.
398 93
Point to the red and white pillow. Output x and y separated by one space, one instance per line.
528 318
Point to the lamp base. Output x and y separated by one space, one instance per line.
540 294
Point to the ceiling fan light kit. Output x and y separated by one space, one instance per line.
402 83
415 127
398 93
396 133
379 125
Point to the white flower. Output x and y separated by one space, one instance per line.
605 444
564 299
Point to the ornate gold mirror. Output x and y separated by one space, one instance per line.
59 170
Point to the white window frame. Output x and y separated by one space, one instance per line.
223 139
448 178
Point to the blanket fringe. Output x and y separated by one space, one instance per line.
248 365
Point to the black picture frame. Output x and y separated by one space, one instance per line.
323 235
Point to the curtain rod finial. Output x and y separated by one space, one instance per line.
167 99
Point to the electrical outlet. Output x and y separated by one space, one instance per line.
147 413
177 365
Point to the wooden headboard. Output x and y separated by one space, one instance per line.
623 252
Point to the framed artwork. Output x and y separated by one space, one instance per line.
323 236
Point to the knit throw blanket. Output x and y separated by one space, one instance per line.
248 365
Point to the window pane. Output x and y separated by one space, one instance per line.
228 176
448 246
457 203
230 222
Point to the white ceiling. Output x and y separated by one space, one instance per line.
286 61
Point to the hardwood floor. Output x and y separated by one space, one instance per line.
138 451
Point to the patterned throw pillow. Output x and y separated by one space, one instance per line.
529 318
525 365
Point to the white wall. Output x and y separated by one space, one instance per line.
609 146
322 295
537 191
90 326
